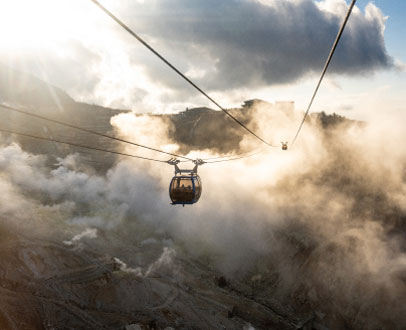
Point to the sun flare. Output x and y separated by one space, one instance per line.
26 25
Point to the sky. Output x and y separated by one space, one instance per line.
234 49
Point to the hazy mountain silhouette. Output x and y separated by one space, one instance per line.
34 95
192 129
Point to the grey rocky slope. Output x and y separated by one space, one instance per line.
45 285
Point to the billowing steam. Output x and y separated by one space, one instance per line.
165 260
87 233
324 221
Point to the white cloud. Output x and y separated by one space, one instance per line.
225 46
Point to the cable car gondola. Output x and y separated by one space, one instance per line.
186 186
284 145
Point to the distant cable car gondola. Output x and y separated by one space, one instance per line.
284 145
186 186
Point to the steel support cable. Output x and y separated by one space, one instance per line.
330 56
251 153
254 152
142 41
81 146
89 131
230 159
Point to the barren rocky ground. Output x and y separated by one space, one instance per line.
45 285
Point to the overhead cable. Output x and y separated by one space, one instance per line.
250 153
330 56
89 131
142 41
231 159
80 146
